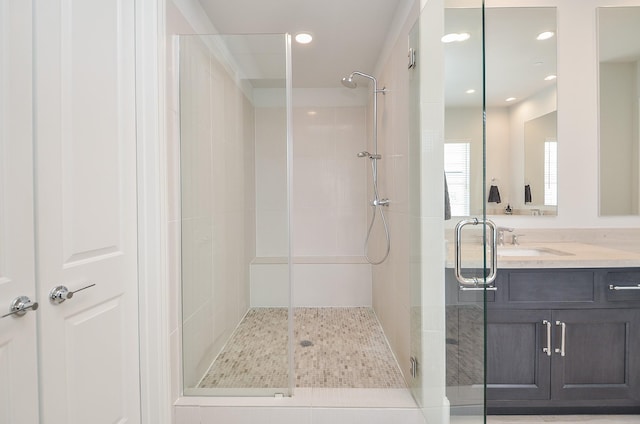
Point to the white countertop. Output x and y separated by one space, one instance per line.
571 255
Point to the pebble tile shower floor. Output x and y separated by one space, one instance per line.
334 347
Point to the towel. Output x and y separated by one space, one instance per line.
527 194
494 194
447 201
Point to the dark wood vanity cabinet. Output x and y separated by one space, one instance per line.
563 341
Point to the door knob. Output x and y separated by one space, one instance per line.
20 306
61 293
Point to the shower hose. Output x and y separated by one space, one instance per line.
377 205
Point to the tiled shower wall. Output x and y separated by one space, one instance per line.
218 205
329 202
329 184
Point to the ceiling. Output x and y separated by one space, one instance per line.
348 34
351 34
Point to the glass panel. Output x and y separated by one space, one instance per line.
466 191
447 324
234 159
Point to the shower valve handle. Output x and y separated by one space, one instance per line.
380 202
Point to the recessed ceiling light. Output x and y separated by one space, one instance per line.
545 35
304 37
550 77
455 37
470 91
312 113
509 99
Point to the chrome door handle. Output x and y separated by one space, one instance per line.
20 306
547 349
613 287
563 338
475 281
59 294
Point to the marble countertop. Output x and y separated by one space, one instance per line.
554 255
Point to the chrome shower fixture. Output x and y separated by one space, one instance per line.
350 83
368 155
377 203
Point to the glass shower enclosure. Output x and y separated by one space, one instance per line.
235 147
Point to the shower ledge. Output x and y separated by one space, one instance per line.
310 260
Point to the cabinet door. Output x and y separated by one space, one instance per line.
517 367
601 355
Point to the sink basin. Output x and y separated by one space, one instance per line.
530 251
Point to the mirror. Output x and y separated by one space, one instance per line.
619 98
520 111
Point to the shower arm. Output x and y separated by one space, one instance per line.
375 108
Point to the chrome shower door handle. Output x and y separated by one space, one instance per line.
547 349
563 338
475 281
20 306
59 294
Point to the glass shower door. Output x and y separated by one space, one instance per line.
450 275
471 257
235 147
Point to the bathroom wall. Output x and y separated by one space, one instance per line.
329 184
328 202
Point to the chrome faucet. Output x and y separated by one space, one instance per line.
501 231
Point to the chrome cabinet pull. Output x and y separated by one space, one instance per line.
614 287
561 351
492 288
59 294
547 349
20 306
475 281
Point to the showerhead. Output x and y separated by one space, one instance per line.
349 82
364 154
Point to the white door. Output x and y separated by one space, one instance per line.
18 372
86 230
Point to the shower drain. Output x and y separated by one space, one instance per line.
306 343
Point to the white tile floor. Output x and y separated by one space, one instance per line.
564 419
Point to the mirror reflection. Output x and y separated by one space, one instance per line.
619 75
520 91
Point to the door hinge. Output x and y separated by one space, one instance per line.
412 58
414 366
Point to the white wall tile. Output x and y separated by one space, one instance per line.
332 285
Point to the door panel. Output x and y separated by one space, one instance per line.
18 373
517 368
600 360
86 210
